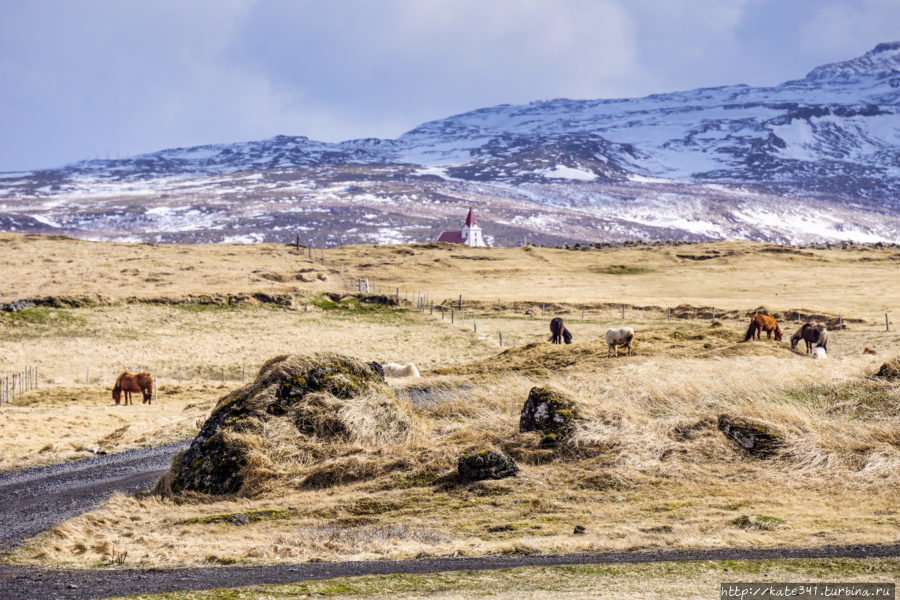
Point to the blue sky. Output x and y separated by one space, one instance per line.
106 78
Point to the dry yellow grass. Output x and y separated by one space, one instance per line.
64 423
733 275
647 468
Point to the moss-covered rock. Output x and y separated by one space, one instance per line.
486 465
549 411
889 370
755 438
324 397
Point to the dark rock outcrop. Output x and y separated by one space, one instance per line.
17 305
754 438
486 465
549 411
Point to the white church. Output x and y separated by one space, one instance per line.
470 235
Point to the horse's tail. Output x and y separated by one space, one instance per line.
750 331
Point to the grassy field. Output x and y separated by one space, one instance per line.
688 580
646 467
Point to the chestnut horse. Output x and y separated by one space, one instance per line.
760 323
128 383
559 332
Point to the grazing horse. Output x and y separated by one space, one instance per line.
760 323
559 332
619 337
395 370
815 336
128 383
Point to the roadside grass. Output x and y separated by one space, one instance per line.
689 579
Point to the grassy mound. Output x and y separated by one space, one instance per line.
889 370
543 358
301 412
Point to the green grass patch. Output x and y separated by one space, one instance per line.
860 399
41 321
662 579
242 518
621 270
202 308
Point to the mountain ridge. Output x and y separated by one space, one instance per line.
560 169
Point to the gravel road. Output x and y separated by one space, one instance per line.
31 501
34 500
31 583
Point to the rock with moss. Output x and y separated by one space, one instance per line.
754 438
889 370
551 412
326 398
486 465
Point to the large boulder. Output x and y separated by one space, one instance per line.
321 398
549 411
754 438
486 465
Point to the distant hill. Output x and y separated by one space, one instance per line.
815 159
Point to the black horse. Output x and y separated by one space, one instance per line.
814 335
559 332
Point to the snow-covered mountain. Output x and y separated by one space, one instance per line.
812 159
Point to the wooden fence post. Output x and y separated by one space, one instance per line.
887 324
840 322
623 312
500 333
474 324
460 302
452 316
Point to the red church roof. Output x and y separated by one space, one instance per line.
454 237
470 219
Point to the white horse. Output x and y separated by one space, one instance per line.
395 370
619 337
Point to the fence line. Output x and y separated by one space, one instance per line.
16 384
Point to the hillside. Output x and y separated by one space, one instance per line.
807 160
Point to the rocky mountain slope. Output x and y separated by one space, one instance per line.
808 160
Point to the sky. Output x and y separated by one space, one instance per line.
110 78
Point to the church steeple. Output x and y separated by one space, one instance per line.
470 219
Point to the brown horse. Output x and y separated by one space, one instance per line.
814 334
558 332
128 383
760 323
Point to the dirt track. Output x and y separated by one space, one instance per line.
31 501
